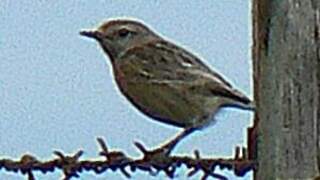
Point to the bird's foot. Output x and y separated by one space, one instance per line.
167 148
157 158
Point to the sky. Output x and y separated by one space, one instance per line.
57 90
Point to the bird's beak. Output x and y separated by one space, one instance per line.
95 34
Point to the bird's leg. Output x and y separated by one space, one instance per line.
169 146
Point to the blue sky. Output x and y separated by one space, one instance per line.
57 91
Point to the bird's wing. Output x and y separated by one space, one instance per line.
162 62
185 59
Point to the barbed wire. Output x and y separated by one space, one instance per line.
153 162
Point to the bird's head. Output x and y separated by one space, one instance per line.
117 36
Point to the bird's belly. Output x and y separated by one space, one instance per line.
167 103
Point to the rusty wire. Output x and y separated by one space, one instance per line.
152 161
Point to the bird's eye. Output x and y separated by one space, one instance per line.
123 32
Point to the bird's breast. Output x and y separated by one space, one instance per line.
120 78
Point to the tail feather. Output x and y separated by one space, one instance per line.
248 106
240 100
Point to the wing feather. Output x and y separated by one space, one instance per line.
164 62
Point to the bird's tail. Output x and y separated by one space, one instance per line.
239 100
246 106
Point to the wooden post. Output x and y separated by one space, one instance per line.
286 61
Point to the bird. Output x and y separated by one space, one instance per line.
163 80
